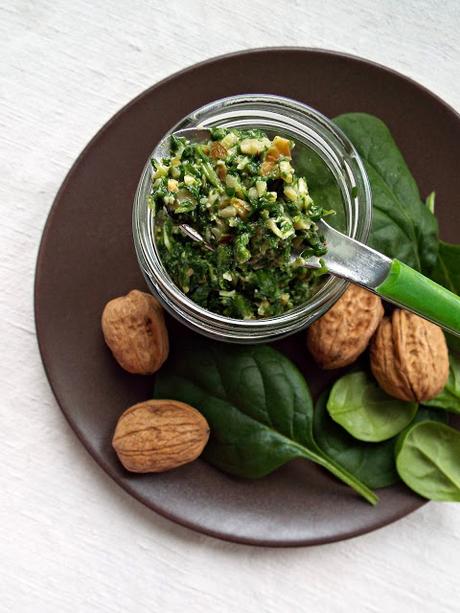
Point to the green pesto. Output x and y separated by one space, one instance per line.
241 192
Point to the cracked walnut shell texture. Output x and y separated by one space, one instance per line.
409 357
339 337
159 435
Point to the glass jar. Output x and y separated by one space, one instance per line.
322 153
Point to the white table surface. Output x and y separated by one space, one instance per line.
70 539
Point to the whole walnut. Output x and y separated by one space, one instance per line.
337 338
135 330
409 357
158 435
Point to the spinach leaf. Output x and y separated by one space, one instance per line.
369 414
257 404
447 269
449 398
403 227
428 460
429 201
372 463
447 273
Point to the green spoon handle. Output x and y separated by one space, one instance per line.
408 288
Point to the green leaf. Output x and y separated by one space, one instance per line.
447 269
449 398
369 414
372 463
429 201
257 404
453 342
403 227
447 273
428 460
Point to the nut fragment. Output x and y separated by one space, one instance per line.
134 329
279 147
409 357
217 151
337 338
221 172
242 207
158 435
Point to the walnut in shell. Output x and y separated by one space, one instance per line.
337 338
158 435
409 357
135 330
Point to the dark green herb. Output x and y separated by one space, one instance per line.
257 404
428 460
371 463
449 398
359 405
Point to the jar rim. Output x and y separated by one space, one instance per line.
286 116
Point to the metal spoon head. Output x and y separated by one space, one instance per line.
194 235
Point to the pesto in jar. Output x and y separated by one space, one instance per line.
240 191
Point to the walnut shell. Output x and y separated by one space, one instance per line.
409 357
337 338
135 330
158 435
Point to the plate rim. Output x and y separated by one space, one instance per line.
39 270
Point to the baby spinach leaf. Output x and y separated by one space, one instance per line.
257 404
429 201
447 273
369 414
372 463
403 226
449 398
447 269
428 460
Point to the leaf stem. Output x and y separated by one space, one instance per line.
345 476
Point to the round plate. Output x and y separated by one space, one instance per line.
87 257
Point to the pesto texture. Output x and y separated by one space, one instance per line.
240 191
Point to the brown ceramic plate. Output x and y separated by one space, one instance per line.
87 257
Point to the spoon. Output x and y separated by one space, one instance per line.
356 262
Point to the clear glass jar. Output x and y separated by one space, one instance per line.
322 152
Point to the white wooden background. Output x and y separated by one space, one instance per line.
70 539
